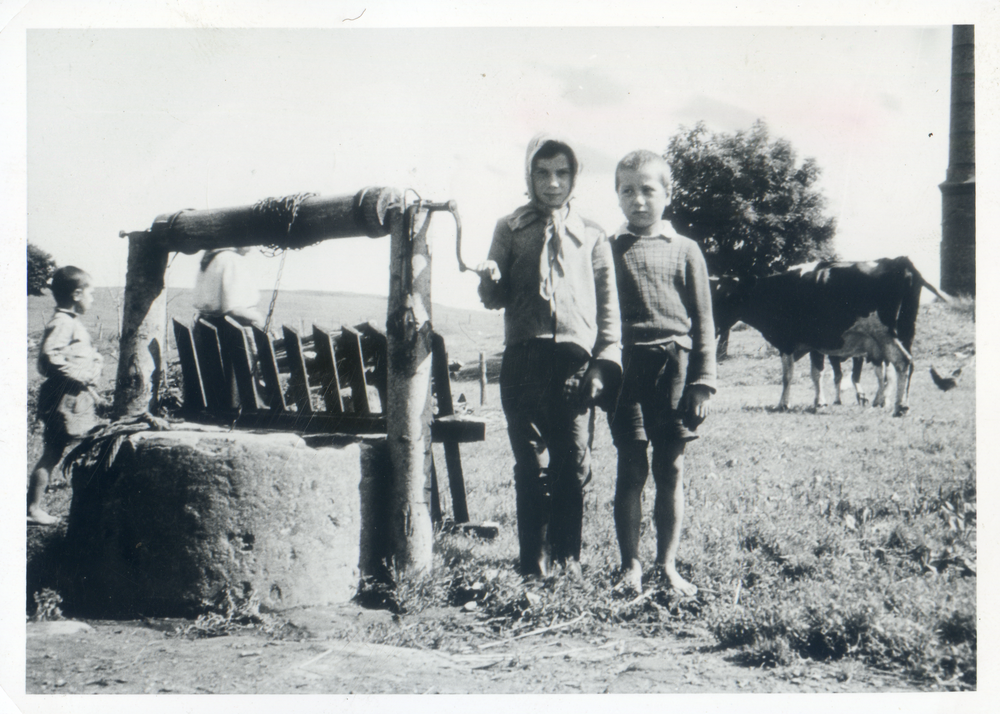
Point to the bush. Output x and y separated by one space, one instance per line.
40 268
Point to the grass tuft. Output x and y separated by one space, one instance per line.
232 610
47 603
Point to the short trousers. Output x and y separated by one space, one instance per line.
648 407
67 409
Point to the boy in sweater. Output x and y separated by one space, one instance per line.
668 359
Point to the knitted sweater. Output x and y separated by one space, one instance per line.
664 296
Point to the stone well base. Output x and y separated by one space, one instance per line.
181 514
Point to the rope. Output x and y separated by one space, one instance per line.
277 214
274 293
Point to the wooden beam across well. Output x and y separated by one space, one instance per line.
305 220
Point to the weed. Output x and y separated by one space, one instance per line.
47 604
957 628
231 610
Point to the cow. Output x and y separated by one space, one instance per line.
839 309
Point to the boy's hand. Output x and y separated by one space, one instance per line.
696 403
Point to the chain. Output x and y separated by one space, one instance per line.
279 212
274 293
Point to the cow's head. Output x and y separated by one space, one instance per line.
728 292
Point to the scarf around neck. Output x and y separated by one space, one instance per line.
560 224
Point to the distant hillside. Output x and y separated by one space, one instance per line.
466 332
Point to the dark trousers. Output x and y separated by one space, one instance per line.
550 439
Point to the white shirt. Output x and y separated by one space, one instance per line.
224 286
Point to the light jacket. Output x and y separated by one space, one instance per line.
583 309
67 351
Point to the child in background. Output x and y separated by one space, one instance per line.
223 287
668 359
66 399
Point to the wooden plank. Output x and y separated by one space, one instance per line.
460 429
298 385
354 372
194 388
376 350
441 380
236 348
326 370
217 390
268 362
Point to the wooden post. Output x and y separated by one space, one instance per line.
482 379
452 454
408 411
142 353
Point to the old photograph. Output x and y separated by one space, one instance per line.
372 351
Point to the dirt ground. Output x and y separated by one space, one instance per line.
141 657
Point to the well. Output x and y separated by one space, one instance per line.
176 516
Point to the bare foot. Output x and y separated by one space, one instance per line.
676 582
38 517
631 577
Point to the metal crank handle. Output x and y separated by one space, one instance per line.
452 208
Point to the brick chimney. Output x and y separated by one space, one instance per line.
958 192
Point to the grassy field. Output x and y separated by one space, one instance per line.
839 534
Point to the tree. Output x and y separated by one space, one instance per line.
40 268
746 202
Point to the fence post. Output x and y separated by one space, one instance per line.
482 379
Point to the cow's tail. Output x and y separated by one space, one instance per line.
941 295
908 264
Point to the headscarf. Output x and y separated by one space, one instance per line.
560 223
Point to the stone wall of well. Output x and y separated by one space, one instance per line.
176 516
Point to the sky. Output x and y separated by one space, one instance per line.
126 124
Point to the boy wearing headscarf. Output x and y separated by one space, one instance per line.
552 272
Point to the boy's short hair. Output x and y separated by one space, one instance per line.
635 160
551 149
66 281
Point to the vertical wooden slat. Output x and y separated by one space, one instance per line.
355 372
213 371
326 370
194 388
375 346
268 362
441 380
299 382
236 347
